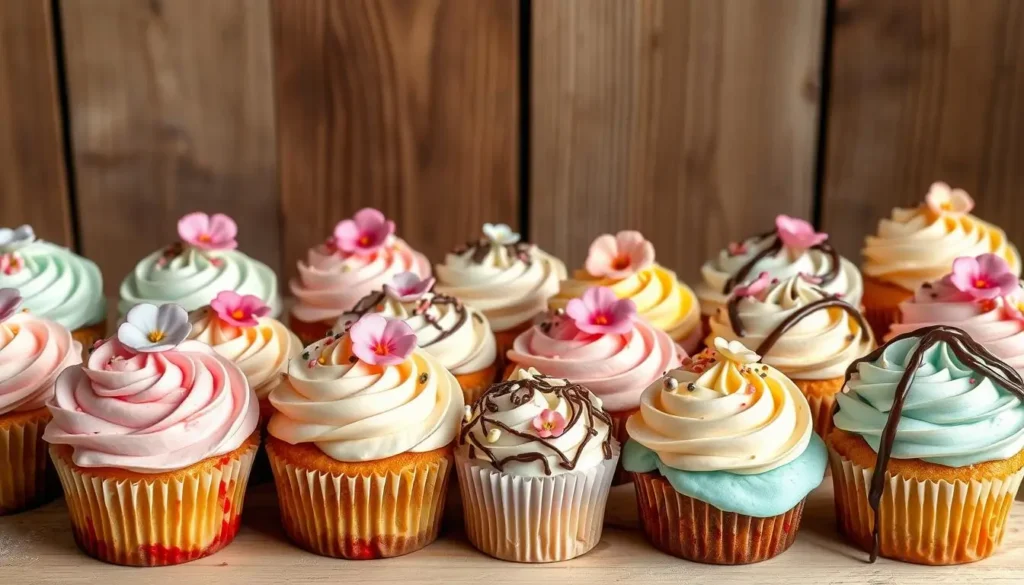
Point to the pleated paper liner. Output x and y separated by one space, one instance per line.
882 305
393 508
89 335
26 477
126 518
821 396
474 384
697 531
925 522
534 519
618 431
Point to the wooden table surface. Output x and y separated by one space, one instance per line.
37 547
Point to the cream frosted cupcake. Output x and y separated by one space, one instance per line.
458 336
509 281
54 283
191 272
153 439
808 334
535 463
625 264
361 442
361 256
918 245
33 351
238 328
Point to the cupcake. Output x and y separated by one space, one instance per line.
535 462
918 245
153 439
360 257
459 337
361 442
808 334
33 351
601 343
723 455
240 329
625 264
509 281
791 249
928 449
54 283
191 272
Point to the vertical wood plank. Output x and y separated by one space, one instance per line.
172 111
924 90
694 122
33 187
408 106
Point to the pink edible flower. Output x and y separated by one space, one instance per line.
985 277
216 232
737 248
756 288
10 300
381 341
407 287
10 264
796 234
600 311
238 310
549 423
364 234
619 256
1014 306
942 199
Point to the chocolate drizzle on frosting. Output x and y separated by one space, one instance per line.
972 354
368 304
774 248
482 247
795 317
520 392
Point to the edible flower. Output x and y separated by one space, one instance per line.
549 423
600 311
757 288
11 263
987 276
942 199
619 256
11 240
735 351
407 287
796 234
239 310
206 232
381 341
150 329
364 234
500 234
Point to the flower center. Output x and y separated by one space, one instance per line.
946 205
549 425
156 335
365 240
205 238
238 314
981 283
381 349
620 262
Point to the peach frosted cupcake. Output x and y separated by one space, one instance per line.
361 256
509 281
33 351
918 245
361 442
153 439
458 336
928 449
625 264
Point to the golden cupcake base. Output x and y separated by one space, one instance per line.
26 475
882 305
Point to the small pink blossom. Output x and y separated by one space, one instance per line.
238 310
549 423
382 341
364 234
737 248
942 199
216 232
757 288
10 300
11 264
407 287
1014 306
619 256
600 311
796 234
985 277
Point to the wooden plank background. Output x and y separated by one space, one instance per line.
695 121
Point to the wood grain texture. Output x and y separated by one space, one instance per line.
172 111
407 106
924 90
33 187
694 122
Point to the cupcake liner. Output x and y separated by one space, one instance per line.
925 522
309 333
880 319
474 384
89 335
361 517
882 305
618 431
534 519
147 523
697 531
25 475
820 402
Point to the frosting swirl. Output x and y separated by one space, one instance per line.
952 415
356 411
616 367
191 277
331 282
502 428
58 284
151 412
510 284
33 352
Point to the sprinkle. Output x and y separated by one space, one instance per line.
750 389
691 386
305 355
971 380
423 378
559 312
743 405
670 384
330 333
322 360
493 435
468 415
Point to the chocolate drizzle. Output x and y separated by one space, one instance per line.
795 317
482 247
774 248
368 304
520 392
970 353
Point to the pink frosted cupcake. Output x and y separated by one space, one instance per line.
982 296
360 257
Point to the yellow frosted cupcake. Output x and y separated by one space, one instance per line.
625 264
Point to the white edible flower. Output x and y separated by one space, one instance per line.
150 329
500 234
11 240
735 351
